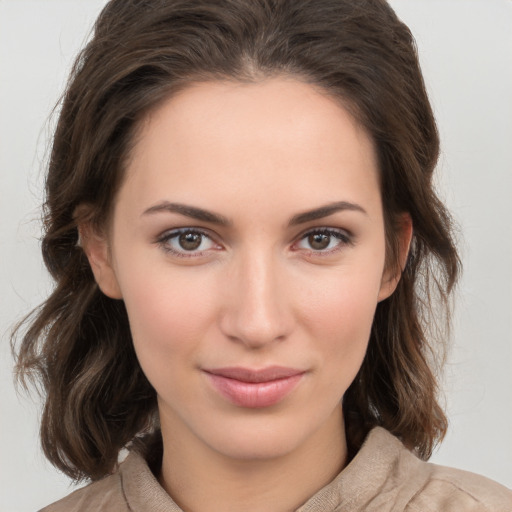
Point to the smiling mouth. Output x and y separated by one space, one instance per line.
254 388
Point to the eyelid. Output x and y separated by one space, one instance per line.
170 234
345 237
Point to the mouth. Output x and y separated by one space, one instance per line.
250 388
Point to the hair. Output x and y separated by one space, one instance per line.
77 345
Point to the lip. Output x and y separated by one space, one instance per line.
251 388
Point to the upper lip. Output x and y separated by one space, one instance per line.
252 375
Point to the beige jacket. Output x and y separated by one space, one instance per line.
383 477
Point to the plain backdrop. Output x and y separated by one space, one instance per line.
466 53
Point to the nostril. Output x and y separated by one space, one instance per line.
255 330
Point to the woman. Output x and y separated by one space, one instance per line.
244 236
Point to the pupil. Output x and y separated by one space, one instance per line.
319 241
190 241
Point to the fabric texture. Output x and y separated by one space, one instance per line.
383 477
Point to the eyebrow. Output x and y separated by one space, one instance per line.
188 211
325 211
214 218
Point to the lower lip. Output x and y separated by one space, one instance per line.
254 394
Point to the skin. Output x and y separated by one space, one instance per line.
256 293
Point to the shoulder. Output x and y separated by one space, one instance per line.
453 489
105 494
428 487
133 487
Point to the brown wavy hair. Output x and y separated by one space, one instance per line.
77 345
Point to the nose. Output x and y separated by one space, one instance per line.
257 312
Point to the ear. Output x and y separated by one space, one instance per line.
96 248
393 271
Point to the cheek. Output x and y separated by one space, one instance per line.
338 315
343 300
168 313
344 323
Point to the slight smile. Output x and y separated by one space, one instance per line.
249 388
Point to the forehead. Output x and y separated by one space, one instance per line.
280 136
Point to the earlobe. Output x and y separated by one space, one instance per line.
96 248
393 272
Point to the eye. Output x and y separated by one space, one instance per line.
323 240
186 242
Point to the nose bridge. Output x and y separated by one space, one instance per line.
257 311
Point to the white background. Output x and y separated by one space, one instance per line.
466 53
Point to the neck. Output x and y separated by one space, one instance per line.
201 479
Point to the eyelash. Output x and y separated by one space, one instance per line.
165 238
344 238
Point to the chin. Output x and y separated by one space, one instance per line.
264 436
260 445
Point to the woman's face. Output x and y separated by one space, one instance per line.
247 243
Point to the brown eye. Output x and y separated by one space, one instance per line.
187 242
190 241
319 241
324 240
